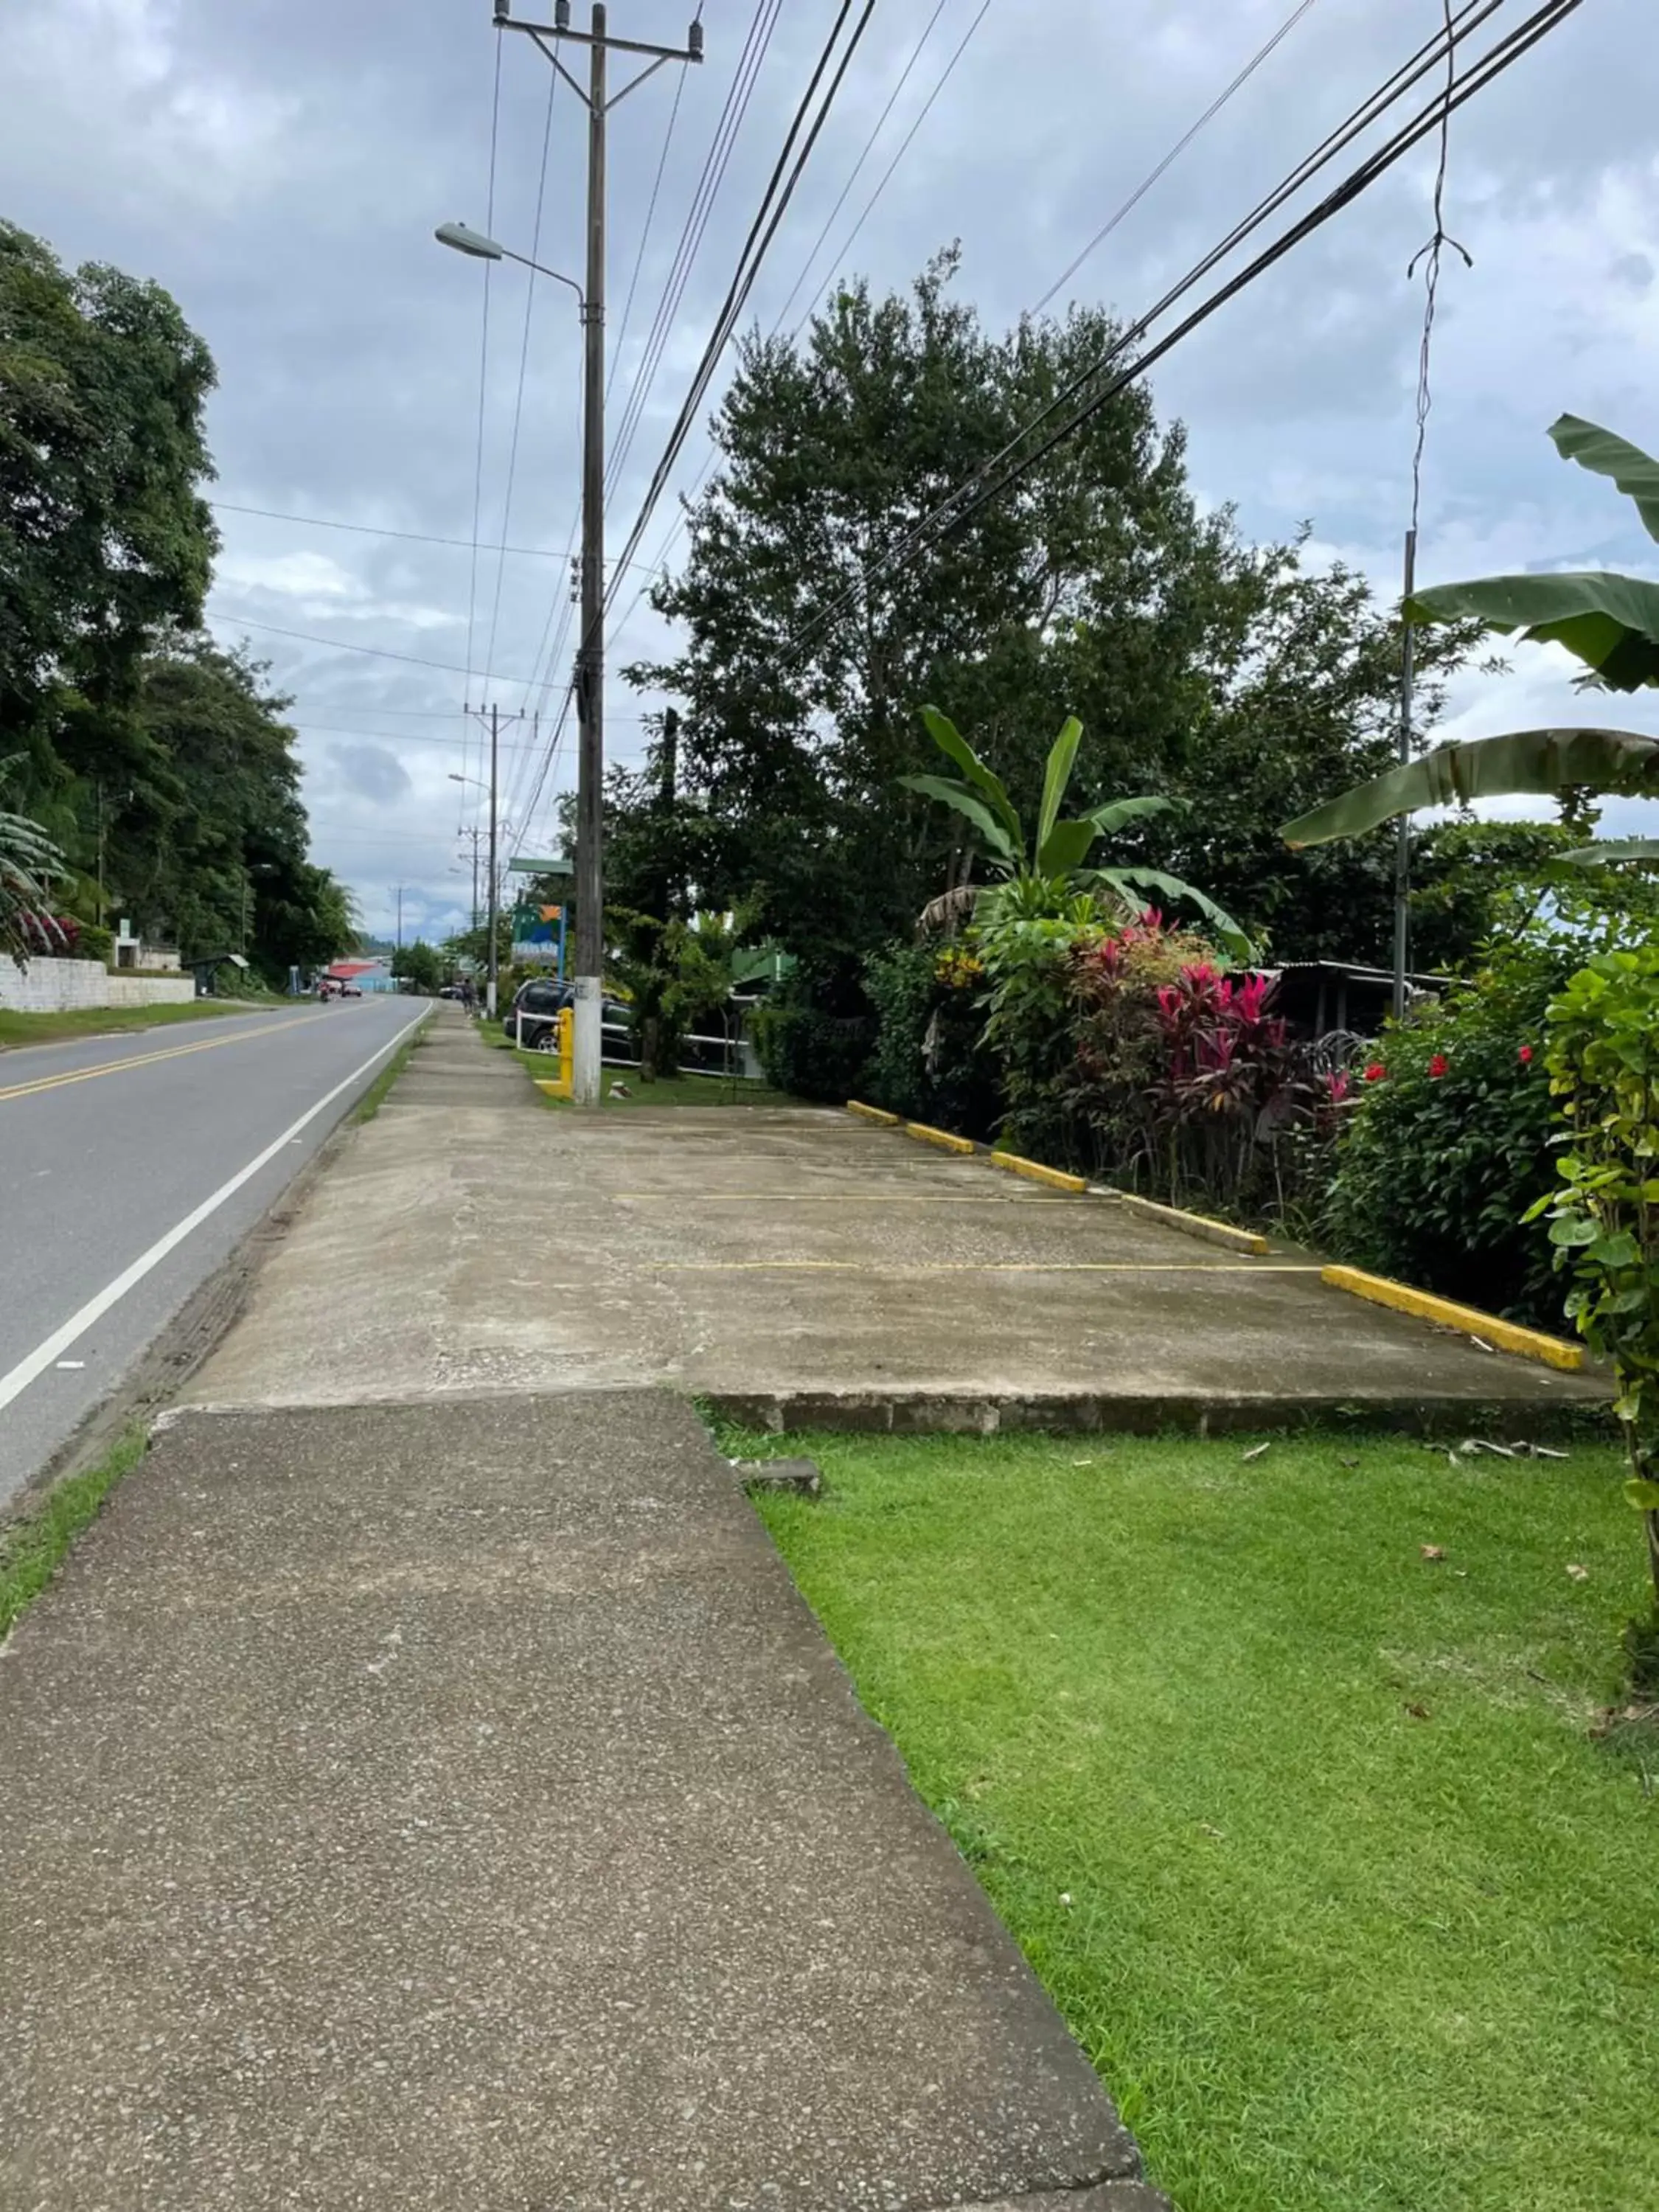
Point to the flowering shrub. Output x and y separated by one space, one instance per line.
54 936
1447 1142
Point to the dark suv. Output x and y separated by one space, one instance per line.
541 1003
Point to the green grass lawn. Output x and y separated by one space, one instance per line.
98 1021
666 1090
1305 1832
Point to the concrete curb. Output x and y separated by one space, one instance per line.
1189 1224
872 1114
942 1137
1104 2197
1036 1171
928 1412
1501 1335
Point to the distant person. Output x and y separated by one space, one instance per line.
469 996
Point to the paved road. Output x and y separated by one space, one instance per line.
118 1159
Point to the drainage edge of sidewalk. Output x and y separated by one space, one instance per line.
925 1413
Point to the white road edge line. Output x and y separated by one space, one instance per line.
28 1370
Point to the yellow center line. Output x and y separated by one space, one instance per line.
149 1058
993 1267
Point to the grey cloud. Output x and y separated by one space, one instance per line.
373 771
280 165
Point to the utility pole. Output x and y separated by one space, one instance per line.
400 917
475 835
589 654
492 718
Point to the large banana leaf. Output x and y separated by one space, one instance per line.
1636 473
955 748
1487 768
1610 623
1125 881
1062 755
1066 847
970 803
1111 818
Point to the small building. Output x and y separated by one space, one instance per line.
364 975
1325 997
133 956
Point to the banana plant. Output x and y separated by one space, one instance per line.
1046 872
29 865
1609 622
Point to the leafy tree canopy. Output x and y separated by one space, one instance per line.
1233 676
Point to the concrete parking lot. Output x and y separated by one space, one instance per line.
796 1265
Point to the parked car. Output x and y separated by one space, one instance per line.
541 1002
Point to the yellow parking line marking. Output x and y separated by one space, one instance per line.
988 1268
146 1059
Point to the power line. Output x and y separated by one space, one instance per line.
756 46
645 234
904 145
775 204
484 370
951 509
1177 150
679 524
524 360
377 652
853 175
735 108
378 529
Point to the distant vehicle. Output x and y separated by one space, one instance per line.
451 991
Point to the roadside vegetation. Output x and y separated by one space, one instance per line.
664 1091
378 1092
1303 1775
34 1544
17 1029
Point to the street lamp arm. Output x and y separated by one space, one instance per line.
464 240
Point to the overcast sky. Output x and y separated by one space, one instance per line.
280 165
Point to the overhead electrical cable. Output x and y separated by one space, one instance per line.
963 500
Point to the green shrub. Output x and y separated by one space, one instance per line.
900 981
930 1061
1447 1149
811 1054
96 943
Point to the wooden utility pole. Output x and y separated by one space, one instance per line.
590 651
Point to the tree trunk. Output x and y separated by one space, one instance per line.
650 1048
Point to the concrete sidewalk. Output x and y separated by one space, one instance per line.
456 1806
798 1267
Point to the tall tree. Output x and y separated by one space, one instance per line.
105 537
1202 668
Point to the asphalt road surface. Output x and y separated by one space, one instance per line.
130 1167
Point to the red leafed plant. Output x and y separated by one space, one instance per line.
1187 1079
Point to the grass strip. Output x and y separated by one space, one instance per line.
33 1546
1280 1764
20 1029
378 1092
666 1090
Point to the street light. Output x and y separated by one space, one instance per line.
466 240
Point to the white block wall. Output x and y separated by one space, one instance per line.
56 987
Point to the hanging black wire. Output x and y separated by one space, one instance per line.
1429 257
